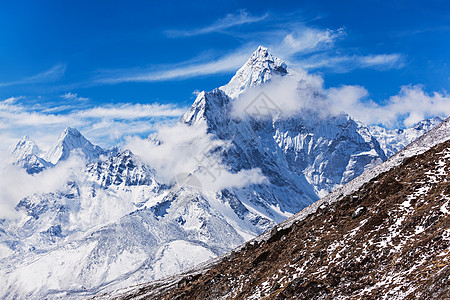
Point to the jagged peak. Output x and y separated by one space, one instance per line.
25 138
258 69
427 124
262 55
207 105
25 146
71 139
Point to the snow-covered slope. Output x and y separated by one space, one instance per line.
71 139
24 147
394 140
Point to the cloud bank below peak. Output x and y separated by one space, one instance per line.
301 94
411 105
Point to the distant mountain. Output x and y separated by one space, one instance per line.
24 147
392 141
71 139
27 154
385 235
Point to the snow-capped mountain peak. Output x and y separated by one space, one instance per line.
69 140
392 141
260 68
428 124
26 154
25 146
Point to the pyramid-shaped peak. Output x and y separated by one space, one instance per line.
262 51
25 146
262 58
69 140
260 68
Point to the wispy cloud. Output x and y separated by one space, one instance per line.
50 75
129 111
302 39
220 65
231 20
411 32
285 43
300 45
347 63
73 97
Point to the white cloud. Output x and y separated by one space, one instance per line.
230 20
407 108
347 63
184 149
50 75
302 39
73 97
131 111
282 97
106 125
294 95
47 181
228 63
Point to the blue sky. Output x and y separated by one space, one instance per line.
66 58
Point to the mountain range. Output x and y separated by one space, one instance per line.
117 222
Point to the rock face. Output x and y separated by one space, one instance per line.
384 236
123 168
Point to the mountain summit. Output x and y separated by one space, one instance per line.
25 146
260 68
28 156
69 140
